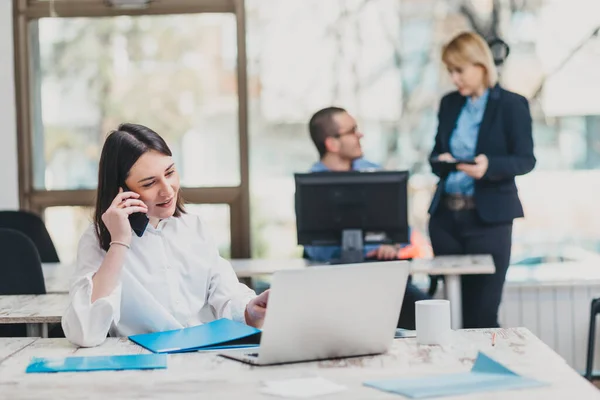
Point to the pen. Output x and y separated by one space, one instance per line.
493 338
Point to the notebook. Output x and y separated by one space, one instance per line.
97 363
486 375
219 334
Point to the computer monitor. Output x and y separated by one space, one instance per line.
349 209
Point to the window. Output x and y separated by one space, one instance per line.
238 125
173 73
66 225
172 66
381 60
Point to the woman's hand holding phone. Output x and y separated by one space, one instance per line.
116 218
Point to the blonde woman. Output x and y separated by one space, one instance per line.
483 141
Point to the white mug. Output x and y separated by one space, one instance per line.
432 320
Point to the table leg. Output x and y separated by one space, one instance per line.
453 292
44 330
34 330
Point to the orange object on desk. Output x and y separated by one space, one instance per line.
419 247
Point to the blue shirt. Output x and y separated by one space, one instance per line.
360 164
463 142
328 253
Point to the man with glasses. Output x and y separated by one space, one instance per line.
337 138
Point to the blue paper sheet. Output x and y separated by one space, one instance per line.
219 334
97 363
486 375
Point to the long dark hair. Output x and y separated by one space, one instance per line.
122 148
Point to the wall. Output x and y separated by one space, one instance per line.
558 315
9 189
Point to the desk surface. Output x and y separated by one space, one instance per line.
58 276
205 375
10 346
442 265
32 309
49 308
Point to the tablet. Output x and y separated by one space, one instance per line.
470 161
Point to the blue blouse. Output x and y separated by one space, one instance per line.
463 142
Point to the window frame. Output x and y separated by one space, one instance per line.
25 11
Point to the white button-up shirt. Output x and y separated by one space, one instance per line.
172 277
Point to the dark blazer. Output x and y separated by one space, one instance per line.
505 138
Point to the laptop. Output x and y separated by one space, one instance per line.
330 312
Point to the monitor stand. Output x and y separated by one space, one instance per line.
352 246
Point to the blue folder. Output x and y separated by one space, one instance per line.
219 334
486 375
97 363
404 333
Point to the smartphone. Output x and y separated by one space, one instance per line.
446 167
138 221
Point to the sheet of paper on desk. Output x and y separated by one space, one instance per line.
301 388
486 375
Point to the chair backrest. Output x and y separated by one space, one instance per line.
33 227
20 268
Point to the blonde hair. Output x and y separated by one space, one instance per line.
470 48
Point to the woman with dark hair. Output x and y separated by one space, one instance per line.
169 275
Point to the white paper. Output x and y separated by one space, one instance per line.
301 388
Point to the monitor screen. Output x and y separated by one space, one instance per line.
328 203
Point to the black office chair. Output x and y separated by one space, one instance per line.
33 227
589 365
20 272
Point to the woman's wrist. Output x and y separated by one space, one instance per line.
121 239
120 243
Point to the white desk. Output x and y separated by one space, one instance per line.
58 276
442 265
451 267
37 311
205 375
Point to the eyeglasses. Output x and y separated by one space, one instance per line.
353 131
